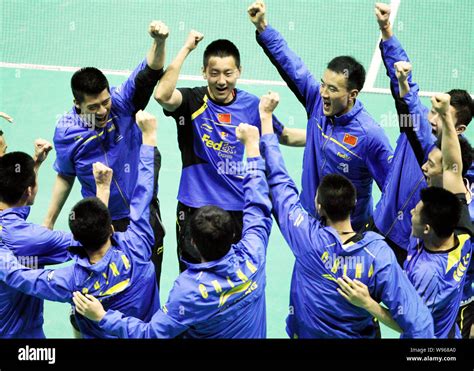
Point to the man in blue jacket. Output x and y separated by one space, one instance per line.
21 316
418 161
101 128
224 295
115 267
419 129
342 138
329 249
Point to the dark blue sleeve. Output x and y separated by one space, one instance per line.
294 222
54 285
411 112
134 94
257 218
139 236
290 66
393 52
392 287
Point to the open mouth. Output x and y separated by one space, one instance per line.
221 89
101 119
326 105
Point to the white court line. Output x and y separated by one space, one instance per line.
377 57
40 67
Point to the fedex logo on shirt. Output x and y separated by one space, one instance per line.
211 144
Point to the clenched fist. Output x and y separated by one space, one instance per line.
102 174
441 103
158 30
402 70
193 39
268 103
256 13
42 148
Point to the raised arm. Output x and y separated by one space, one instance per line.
139 235
289 65
450 147
166 93
134 94
42 148
294 222
257 219
103 178
61 190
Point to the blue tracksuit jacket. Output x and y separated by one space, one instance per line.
317 310
124 279
218 299
352 144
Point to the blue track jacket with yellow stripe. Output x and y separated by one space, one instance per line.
224 298
124 279
317 310
352 144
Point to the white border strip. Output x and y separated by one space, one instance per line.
40 67
377 57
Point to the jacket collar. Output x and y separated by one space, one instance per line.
23 212
347 117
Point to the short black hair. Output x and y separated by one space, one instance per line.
212 230
352 69
441 210
466 153
337 196
221 48
88 80
1 132
17 173
464 106
90 223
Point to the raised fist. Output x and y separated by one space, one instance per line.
42 148
441 103
193 39
382 13
146 121
102 174
247 133
256 13
268 103
402 70
158 30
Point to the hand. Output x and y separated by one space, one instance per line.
102 174
256 13
88 306
5 116
158 30
355 292
193 40
268 103
42 148
382 13
147 122
441 103
402 70
247 133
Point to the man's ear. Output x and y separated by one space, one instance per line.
203 72
353 95
76 104
460 129
426 229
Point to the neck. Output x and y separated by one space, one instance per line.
97 255
440 244
341 227
5 206
348 108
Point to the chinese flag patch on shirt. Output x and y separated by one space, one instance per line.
350 139
224 118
